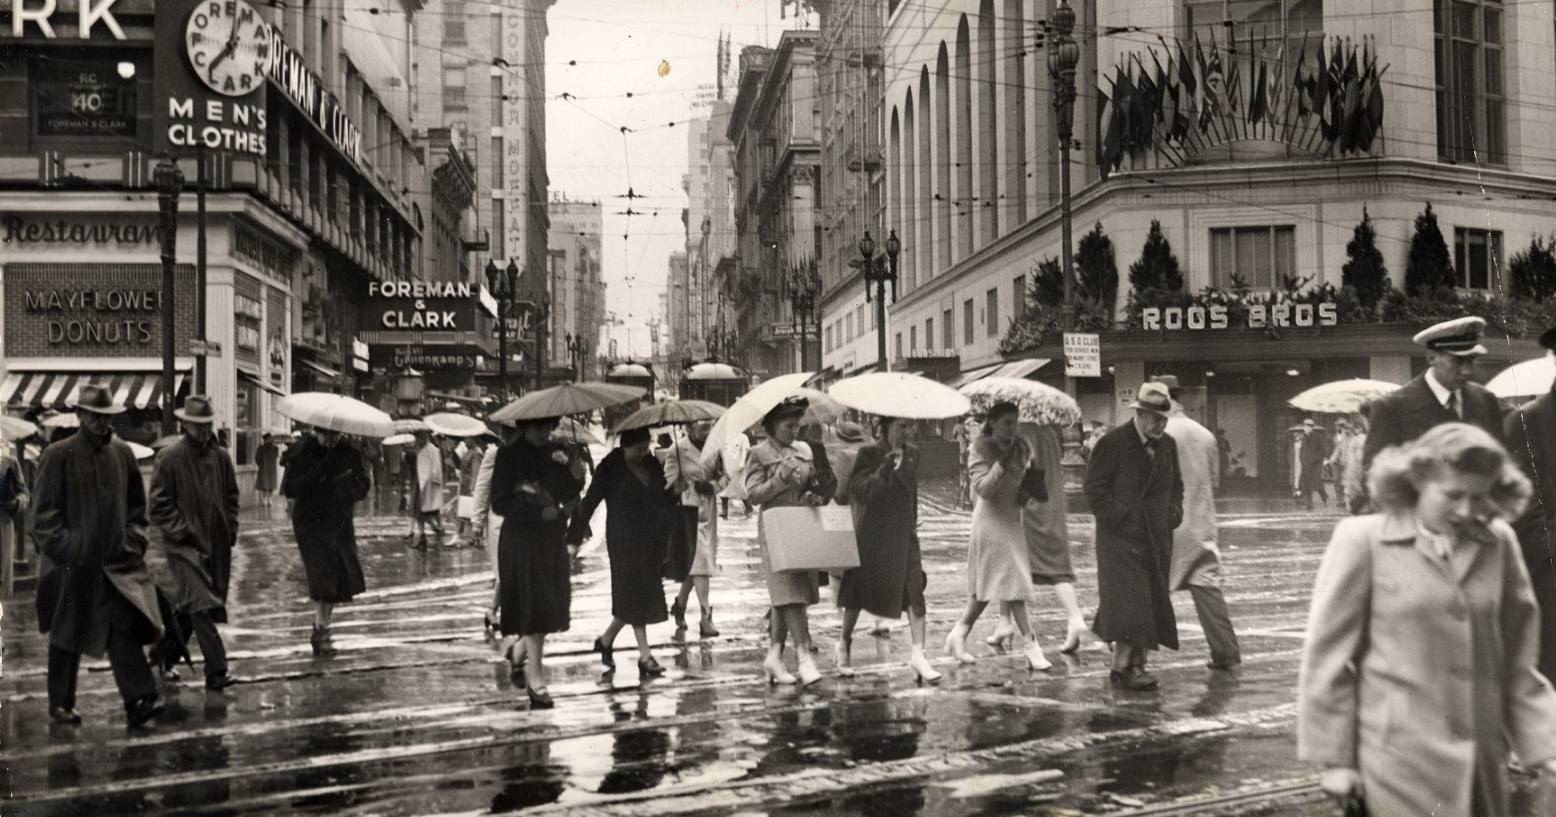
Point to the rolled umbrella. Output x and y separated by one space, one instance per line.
900 394
570 430
1530 378
455 425
410 425
670 413
1037 402
566 400
1341 396
400 439
14 429
336 413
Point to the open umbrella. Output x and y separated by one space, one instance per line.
141 452
410 425
670 413
400 439
455 425
1341 396
570 430
13 429
900 394
1039 403
754 405
65 420
336 413
566 400
1530 378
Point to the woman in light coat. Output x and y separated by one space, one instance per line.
1419 670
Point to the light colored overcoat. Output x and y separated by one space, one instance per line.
1420 673
1196 556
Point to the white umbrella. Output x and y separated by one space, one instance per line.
410 425
336 413
1039 403
141 452
754 405
455 425
900 394
1530 378
400 439
670 413
566 400
1341 396
65 420
13 429
570 430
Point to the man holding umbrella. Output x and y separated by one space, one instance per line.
194 502
95 594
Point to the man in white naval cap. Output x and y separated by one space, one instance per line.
1441 394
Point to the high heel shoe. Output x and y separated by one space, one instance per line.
489 627
705 627
775 670
809 674
649 668
956 645
844 659
516 661
605 654
1036 661
540 698
1001 637
921 667
678 612
323 645
1073 636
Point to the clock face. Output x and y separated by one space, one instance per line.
228 43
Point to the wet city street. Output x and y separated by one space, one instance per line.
417 715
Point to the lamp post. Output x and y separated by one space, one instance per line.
578 352
880 270
542 314
503 284
1063 55
804 290
169 180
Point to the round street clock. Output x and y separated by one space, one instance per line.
228 43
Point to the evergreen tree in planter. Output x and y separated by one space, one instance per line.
1429 267
1047 284
1157 267
1532 272
1364 270
1095 270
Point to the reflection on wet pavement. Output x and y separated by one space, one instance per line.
419 715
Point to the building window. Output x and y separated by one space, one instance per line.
899 345
967 322
929 334
1468 60
496 29
866 318
947 329
848 322
912 339
454 87
829 345
992 317
454 29
1260 257
497 100
1018 296
1477 258
499 229
497 163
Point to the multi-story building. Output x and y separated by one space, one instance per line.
1255 136
710 224
679 315
578 291
849 74
775 125
301 137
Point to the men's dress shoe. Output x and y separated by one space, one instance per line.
220 682
1222 664
64 716
140 711
1137 680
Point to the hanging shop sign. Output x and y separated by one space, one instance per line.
298 82
1260 316
85 97
211 61
443 306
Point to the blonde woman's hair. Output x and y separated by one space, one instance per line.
1397 473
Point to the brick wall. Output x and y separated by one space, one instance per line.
64 332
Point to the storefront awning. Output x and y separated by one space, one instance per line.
1015 368
974 374
260 382
320 368
55 389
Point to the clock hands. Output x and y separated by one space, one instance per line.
227 50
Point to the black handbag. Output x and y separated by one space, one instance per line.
1034 486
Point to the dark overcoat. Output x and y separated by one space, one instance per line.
533 569
638 520
194 503
885 501
325 485
1138 502
1531 436
1412 410
89 522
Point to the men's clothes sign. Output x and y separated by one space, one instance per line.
211 60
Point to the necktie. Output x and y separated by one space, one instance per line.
1452 404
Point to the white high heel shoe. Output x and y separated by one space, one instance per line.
921 667
1001 637
956 645
843 656
774 669
1036 661
809 673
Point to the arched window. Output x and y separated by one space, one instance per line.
963 195
925 259
1016 115
909 173
942 206
988 128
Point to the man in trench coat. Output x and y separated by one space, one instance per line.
194 502
95 594
1196 556
1136 492
1531 437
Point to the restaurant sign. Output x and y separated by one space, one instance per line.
1260 316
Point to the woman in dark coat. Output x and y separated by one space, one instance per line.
632 483
890 575
326 478
535 493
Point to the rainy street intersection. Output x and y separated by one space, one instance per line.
417 714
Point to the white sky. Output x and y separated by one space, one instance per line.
618 46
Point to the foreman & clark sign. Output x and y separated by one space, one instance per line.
417 305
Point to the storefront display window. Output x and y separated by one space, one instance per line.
246 402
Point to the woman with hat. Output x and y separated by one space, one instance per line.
883 489
780 473
631 481
535 492
998 568
326 477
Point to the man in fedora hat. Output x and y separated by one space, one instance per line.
1312 451
194 502
1441 394
1531 436
95 594
1135 490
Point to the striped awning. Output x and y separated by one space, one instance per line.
53 389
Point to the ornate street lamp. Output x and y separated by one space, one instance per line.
502 284
1063 55
804 291
169 180
880 270
578 352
